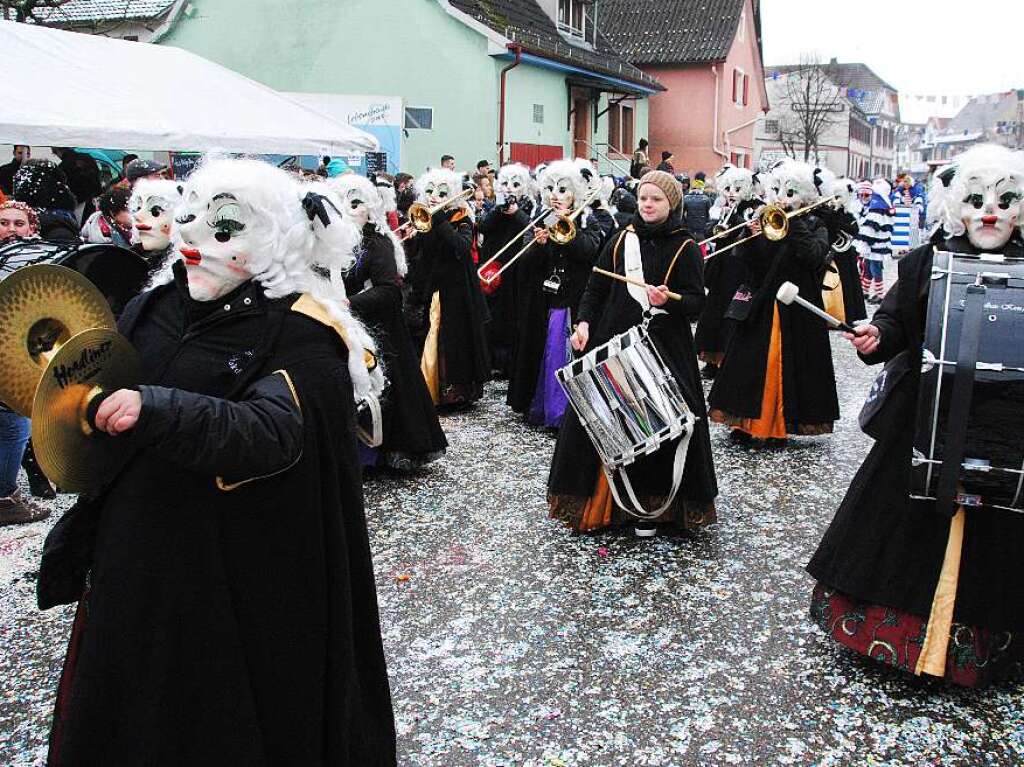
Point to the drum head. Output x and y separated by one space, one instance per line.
17 253
119 273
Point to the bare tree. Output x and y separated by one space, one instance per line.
26 10
813 102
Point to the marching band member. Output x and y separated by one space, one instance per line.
454 362
152 204
511 215
842 295
550 283
578 492
874 240
230 612
412 435
897 580
724 274
777 378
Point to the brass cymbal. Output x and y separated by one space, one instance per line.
41 307
70 453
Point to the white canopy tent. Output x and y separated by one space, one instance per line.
84 90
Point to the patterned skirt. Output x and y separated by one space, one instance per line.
975 656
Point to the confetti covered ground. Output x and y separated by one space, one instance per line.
512 641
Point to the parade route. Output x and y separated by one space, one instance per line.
512 641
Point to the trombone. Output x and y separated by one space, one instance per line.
421 217
521 233
774 222
561 232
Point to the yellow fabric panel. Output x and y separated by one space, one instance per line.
932 659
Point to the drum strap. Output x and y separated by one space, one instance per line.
678 465
960 401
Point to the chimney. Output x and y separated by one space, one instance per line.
834 61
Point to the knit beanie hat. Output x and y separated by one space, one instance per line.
42 184
667 184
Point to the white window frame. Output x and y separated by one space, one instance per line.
567 28
742 34
739 88
405 118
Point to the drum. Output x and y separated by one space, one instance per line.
630 405
18 253
967 445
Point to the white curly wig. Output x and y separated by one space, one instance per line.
969 165
367 191
512 173
284 246
567 169
795 183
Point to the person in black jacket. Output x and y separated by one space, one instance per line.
509 218
898 580
411 434
777 377
578 493
229 615
697 212
454 362
22 154
551 280
41 184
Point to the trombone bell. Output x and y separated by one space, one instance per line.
420 217
774 223
563 231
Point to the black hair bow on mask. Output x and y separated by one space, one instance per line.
315 208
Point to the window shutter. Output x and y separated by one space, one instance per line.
735 84
746 89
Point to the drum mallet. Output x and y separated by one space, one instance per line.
790 293
631 281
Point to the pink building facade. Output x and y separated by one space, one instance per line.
714 73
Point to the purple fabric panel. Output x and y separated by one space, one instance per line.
549 400
368 456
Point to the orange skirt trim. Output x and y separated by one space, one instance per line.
598 511
772 423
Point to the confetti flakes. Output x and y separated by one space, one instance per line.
518 647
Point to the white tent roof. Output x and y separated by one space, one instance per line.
84 90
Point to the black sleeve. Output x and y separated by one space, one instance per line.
687 279
810 243
599 287
889 320
455 238
257 437
382 267
487 224
584 246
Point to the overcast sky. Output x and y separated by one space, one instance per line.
917 46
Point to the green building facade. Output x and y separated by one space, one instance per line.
444 62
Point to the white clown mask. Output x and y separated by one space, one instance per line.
792 186
215 242
986 196
513 183
562 185
361 203
152 207
438 186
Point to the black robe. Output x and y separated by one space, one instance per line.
573 263
810 403
498 229
411 431
231 616
845 262
609 310
883 548
444 265
723 275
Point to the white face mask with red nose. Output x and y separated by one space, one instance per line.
214 240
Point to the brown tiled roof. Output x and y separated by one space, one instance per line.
863 87
525 22
671 31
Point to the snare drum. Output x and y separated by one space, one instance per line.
630 405
974 330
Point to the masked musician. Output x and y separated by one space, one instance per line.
412 435
152 205
842 295
897 580
777 378
511 215
454 361
724 274
550 282
230 615
659 247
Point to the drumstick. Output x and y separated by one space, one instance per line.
789 293
631 281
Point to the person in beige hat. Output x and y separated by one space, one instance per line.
658 249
